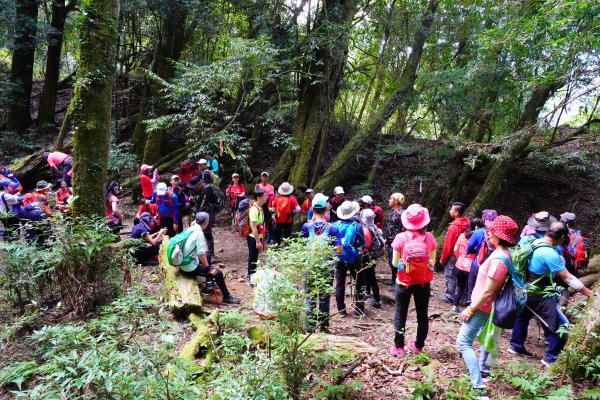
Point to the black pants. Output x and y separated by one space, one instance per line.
252 255
421 294
208 234
472 279
394 268
146 253
218 277
11 228
282 231
462 278
370 279
64 167
341 270
167 222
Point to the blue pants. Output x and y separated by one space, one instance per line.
466 336
556 341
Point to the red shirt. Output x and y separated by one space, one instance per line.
293 205
151 208
234 191
147 187
62 195
306 205
186 175
268 188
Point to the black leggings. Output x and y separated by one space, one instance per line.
218 277
462 277
403 294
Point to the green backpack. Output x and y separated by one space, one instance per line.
522 252
175 254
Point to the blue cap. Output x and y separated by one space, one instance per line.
7 182
320 203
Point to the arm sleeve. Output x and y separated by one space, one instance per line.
155 177
153 199
451 237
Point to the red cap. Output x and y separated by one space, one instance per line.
505 228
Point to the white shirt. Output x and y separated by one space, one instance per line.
195 245
6 201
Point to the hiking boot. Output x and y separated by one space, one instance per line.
397 351
547 361
343 314
360 313
485 376
231 299
376 304
520 352
413 348
481 394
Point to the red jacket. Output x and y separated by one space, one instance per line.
378 216
458 226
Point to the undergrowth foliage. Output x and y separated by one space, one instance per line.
77 266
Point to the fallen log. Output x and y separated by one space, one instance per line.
181 293
203 339
330 342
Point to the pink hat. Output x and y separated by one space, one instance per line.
505 228
145 167
415 217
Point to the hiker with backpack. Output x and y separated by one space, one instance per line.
283 206
334 202
479 246
194 260
543 264
114 216
414 256
269 190
210 202
182 202
463 263
6 173
146 253
353 243
255 231
317 315
374 249
9 206
448 259
146 182
235 192
394 227
367 203
579 244
35 221
212 162
309 195
490 280
168 208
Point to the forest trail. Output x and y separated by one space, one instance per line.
384 376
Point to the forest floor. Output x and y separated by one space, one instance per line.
384 376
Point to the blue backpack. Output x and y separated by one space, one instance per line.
348 234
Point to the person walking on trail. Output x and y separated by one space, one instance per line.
283 206
309 195
414 256
448 259
317 315
373 238
463 264
212 162
394 227
353 243
544 266
114 216
168 208
9 205
209 203
147 253
236 192
334 202
146 182
490 279
195 247
479 246
270 192
182 202
368 204
256 236
579 245
60 163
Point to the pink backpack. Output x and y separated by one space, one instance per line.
415 254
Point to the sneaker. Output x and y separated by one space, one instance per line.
376 304
397 351
456 310
485 376
481 394
521 352
343 314
231 299
360 313
413 348
546 361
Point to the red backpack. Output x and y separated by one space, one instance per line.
283 210
415 254
582 248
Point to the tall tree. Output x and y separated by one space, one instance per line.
60 10
18 118
318 90
91 105
338 169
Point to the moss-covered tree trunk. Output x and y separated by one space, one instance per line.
319 89
339 167
46 120
513 147
18 118
91 106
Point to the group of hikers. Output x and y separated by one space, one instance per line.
484 260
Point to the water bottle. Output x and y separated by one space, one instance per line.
400 266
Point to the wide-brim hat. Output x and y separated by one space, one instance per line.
346 210
415 217
505 228
285 189
568 217
356 206
541 221
42 185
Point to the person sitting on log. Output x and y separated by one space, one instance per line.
146 253
60 163
62 196
196 248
